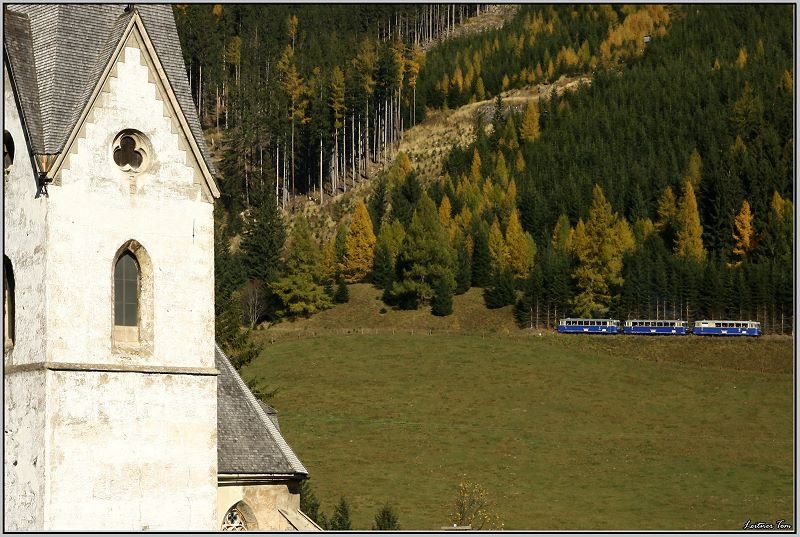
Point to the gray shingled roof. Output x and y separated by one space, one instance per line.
19 55
71 45
248 440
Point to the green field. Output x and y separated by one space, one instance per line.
565 432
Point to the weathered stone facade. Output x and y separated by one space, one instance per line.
107 434
112 422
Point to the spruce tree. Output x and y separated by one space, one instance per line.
386 519
263 241
340 520
442 301
342 293
382 267
481 258
501 291
424 258
463 264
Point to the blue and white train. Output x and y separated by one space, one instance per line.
727 328
654 327
588 326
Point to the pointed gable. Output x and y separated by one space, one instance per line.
69 65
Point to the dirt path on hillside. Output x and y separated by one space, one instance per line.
428 143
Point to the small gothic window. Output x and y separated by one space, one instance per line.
126 290
8 150
8 303
131 150
234 521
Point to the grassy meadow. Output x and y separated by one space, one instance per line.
565 432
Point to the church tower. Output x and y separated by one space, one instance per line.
110 380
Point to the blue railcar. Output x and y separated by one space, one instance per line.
727 328
655 327
588 326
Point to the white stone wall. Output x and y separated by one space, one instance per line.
139 454
24 235
125 450
95 210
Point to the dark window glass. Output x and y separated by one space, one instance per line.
126 291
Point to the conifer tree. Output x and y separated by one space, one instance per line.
667 215
501 170
530 123
382 266
520 247
694 170
689 236
509 138
340 520
300 292
562 235
386 519
463 264
501 291
481 258
425 257
442 300
445 217
744 234
600 245
475 169
342 293
262 243
497 246
359 246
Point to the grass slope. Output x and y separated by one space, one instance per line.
566 432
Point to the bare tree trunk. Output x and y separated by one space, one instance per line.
320 168
353 147
277 169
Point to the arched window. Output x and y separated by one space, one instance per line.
132 295
8 303
126 290
234 521
239 517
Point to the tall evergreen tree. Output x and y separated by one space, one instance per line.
424 258
689 237
340 520
600 246
359 246
262 243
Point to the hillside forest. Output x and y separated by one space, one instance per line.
661 188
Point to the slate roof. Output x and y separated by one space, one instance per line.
248 440
70 45
19 55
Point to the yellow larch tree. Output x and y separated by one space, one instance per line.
689 236
359 246
497 246
743 234
475 169
519 247
530 123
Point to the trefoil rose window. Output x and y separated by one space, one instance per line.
132 151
